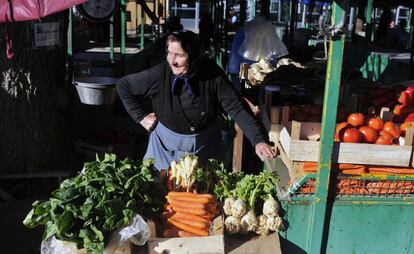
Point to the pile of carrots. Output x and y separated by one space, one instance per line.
188 214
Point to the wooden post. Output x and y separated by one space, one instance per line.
237 149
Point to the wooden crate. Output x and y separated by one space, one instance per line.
125 248
299 141
213 244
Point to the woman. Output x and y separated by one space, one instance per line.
187 94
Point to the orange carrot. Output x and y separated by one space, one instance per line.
190 205
188 228
182 208
191 216
183 233
201 200
193 223
190 194
170 232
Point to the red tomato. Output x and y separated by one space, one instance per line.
369 135
384 138
350 135
338 129
375 123
392 129
356 119
404 127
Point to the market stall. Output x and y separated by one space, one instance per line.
341 191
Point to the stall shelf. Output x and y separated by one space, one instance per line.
336 213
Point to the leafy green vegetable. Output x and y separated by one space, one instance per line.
103 197
226 183
206 176
254 189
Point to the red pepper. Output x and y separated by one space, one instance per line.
401 111
409 118
404 98
410 92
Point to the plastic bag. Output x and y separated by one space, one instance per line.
261 40
137 232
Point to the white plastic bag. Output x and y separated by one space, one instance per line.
137 232
261 40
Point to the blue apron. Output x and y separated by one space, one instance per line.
165 145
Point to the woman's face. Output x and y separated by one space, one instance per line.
177 58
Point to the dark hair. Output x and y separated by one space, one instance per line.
191 44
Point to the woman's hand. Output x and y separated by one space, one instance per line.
265 151
149 122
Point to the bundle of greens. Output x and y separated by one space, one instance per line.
100 199
249 202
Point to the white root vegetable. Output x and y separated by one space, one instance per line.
270 207
249 222
173 169
275 223
232 225
193 165
179 174
187 162
238 208
227 207
262 228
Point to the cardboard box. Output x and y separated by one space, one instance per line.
213 244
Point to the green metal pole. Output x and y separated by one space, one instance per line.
111 39
175 8
70 46
272 5
293 12
69 34
252 9
330 105
287 17
123 35
370 7
142 35
136 22
411 46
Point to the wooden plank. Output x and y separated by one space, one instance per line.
237 149
283 155
367 154
213 244
295 130
408 140
275 115
285 115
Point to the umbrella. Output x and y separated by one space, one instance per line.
22 10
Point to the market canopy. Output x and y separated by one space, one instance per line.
23 10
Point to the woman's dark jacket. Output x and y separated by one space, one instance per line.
184 113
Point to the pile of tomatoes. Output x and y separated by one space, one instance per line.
372 130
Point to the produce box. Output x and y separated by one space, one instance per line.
300 143
213 244
70 247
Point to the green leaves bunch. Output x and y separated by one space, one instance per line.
102 198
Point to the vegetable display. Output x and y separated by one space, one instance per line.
359 129
101 198
249 202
